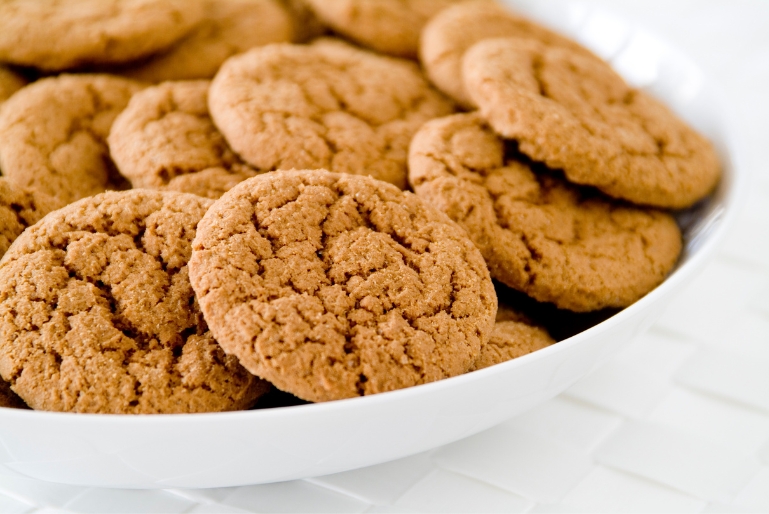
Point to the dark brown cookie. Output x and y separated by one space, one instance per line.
19 209
97 313
334 286
539 234
165 139
450 33
573 112
327 105
10 399
64 34
53 134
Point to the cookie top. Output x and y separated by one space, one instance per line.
334 286
388 26
10 82
573 112
53 134
450 33
90 31
230 27
326 105
165 139
19 209
514 335
539 234
97 313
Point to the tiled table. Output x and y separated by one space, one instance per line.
679 422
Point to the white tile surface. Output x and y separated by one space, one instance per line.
296 496
10 505
756 494
608 490
677 459
128 501
535 467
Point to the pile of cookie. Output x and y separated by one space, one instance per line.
204 199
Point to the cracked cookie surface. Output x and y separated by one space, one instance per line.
452 32
90 31
514 335
97 313
53 134
21 208
574 113
539 234
388 26
333 286
165 139
327 105
229 27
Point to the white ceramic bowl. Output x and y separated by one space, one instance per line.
229 449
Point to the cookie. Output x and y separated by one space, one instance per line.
538 233
326 105
10 82
230 27
333 286
307 26
388 26
514 335
53 134
19 209
165 139
57 35
575 113
450 33
97 313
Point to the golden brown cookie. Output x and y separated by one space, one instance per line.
388 26
539 234
165 139
19 209
334 286
327 105
307 26
450 33
575 113
230 27
10 82
64 34
97 313
514 335
53 134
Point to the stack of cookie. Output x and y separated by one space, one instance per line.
202 199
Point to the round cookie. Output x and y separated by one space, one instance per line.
539 234
10 82
514 335
388 26
334 286
450 33
165 139
230 27
19 209
575 113
53 134
63 34
326 105
97 313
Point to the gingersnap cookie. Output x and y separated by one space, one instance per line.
306 24
575 113
388 26
58 35
326 105
538 233
230 27
165 139
333 286
19 209
453 31
10 82
514 335
97 313
53 134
